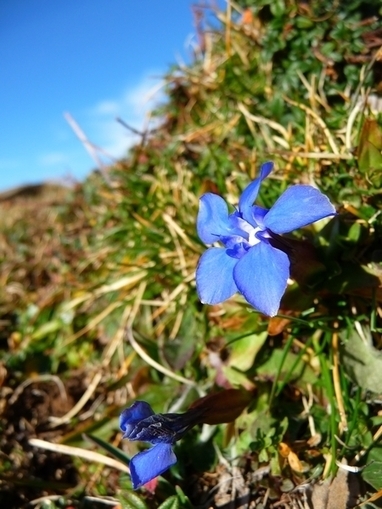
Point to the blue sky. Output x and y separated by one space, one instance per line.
96 59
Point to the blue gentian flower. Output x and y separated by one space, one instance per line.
139 422
249 262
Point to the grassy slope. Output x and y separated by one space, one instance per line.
78 272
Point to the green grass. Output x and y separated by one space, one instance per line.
80 271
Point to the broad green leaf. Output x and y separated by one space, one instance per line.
183 499
292 370
47 328
244 351
277 8
170 503
131 500
362 361
370 151
372 472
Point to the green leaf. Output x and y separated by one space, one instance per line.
131 500
369 151
170 503
372 472
47 328
277 8
117 453
362 361
292 369
183 499
302 22
244 351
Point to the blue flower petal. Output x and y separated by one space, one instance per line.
150 463
298 206
131 416
214 280
261 276
160 428
250 193
258 213
212 218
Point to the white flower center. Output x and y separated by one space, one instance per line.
252 239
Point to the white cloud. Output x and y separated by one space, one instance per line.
101 129
144 96
53 158
106 108
133 106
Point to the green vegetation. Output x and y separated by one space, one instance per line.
98 304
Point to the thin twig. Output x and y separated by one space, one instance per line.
228 29
262 120
151 362
130 128
95 321
349 125
174 227
118 338
377 435
101 500
79 453
314 155
45 498
57 421
312 92
319 121
89 146
41 378
337 384
108 354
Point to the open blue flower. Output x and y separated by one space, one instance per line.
248 262
139 422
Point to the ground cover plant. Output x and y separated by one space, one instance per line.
100 308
